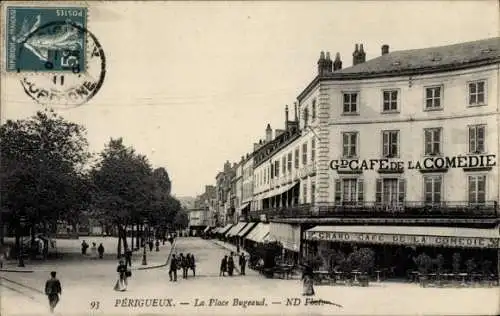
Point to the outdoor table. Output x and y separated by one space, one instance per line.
463 275
414 277
356 273
378 275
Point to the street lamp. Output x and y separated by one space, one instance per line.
144 260
22 221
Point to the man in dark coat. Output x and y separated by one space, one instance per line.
243 263
128 257
85 246
223 266
172 273
100 250
230 265
150 244
192 265
184 265
53 290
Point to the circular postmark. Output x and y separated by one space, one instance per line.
74 63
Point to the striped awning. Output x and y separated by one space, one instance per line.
224 229
235 229
246 229
258 234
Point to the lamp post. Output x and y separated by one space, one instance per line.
22 221
144 260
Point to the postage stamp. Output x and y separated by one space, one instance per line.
59 48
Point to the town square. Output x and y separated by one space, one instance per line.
266 158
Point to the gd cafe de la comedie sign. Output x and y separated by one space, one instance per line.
411 240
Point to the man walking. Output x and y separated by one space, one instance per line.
100 250
230 265
223 266
53 290
172 273
243 263
128 257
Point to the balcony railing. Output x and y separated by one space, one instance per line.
419 209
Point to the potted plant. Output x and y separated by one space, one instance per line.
366 262
439 262
455 263
424 263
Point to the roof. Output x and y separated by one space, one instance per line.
419 61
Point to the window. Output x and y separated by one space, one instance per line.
349 191
390 140
390 191
433 98
432 138
304 153
289 163
313 107
313 149
277 168
305 193
283 165
297 158
477 189
350 103
349 144
433 189
477 135
390 100
477 93
306 117
313 192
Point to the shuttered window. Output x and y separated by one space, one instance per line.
349 191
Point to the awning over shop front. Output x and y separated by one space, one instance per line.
242 207
287 234
224 229
235 229
206 229
246 229
455 237
258 234
285 188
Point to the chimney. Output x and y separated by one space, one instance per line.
385 49
286 117
337 64
362 54
355 55
329 63
321 63
296 111
269 133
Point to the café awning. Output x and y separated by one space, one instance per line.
243 206
285 188
235 229
206 229
225 229
246 229
258 234
455 237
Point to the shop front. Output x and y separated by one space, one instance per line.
289 237
397 248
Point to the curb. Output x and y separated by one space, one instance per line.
17 271
160 265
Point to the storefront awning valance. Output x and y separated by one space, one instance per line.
259 233
206 229
246 229
285 188
235 229
288 235
225 229
456 237
243 206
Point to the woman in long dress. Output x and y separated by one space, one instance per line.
94 250
121 283
307 284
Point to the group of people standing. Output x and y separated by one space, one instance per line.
94 251
227 264
181 262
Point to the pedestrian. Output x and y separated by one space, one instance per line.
157 244
53 290
85 246
223 266
150 244
170 239
128 257
100 250
2 258
243 263
307 284
230 265
182 265
193 265
93 250
172 273
238 247
123 273
187 265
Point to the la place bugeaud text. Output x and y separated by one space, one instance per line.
466 161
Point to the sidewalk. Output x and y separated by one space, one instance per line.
72 258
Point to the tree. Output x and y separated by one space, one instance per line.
42 161
122 187
181 220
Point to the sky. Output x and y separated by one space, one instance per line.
193 84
